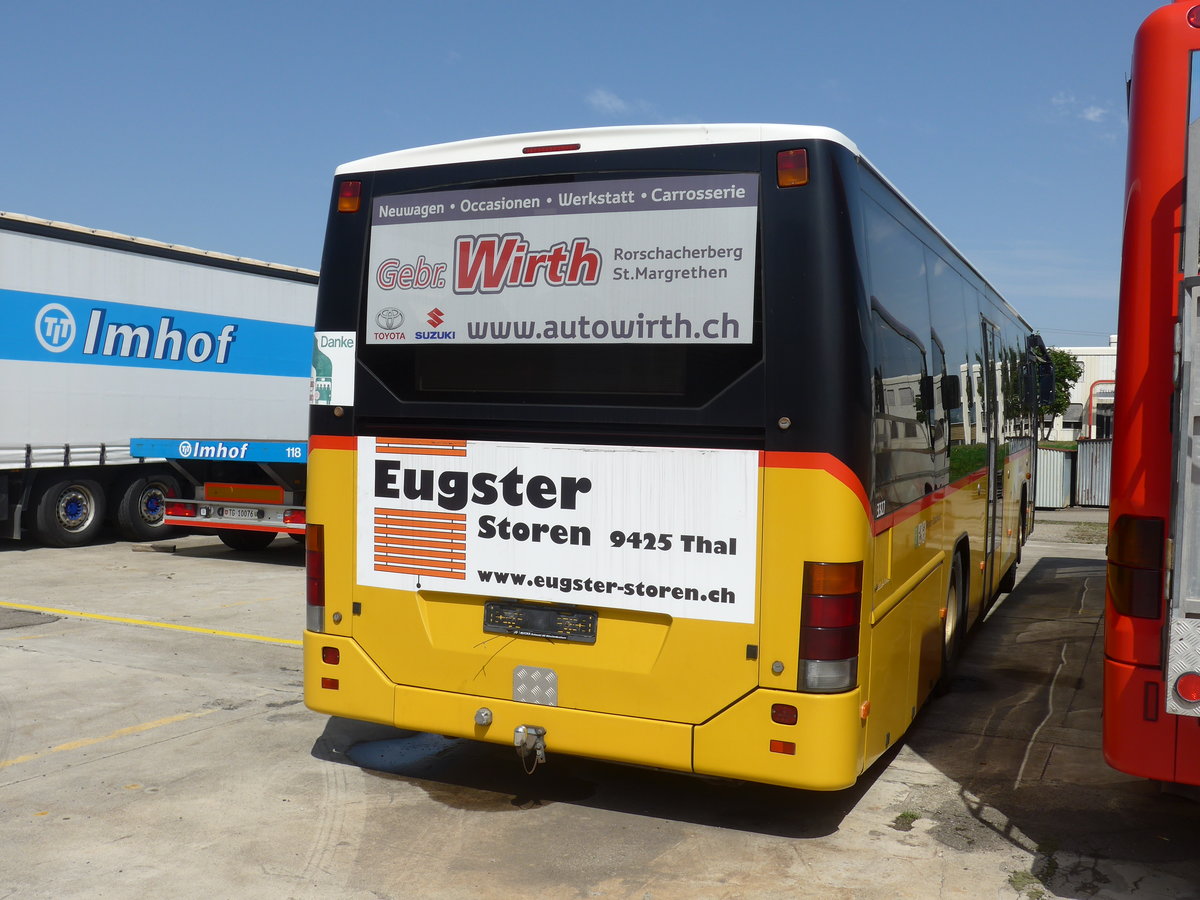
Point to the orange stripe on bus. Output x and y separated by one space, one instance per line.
446 564
413 533
332 442
451 517
416 553
417 544
439 565
421 447
408 570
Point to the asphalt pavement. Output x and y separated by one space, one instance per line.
154 743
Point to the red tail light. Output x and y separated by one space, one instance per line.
350 196
791 168
181 510
1135 566
314 565
293 517
830 614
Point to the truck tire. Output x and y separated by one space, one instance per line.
142 507
69 513
236 539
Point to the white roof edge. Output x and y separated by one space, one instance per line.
149 242
619 137
626 137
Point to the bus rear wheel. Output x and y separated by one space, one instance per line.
954 624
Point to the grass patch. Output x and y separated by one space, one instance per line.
1027 884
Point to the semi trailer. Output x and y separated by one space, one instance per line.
119 355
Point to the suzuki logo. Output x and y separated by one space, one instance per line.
436 317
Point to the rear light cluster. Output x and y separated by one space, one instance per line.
349 196
784 714
829 624
1135 566
331 656
314 570
791 168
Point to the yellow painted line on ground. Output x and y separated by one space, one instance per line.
87 742
291 642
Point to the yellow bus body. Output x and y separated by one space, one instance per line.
680 694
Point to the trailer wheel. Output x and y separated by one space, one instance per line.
69 513
235 539
143 506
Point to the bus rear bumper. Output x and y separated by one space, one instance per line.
823 751
1140 737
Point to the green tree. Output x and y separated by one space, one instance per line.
1067 370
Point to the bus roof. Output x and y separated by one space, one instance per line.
632 137
622 137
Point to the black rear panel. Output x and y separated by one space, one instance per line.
799 383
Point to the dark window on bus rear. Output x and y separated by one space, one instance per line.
686 374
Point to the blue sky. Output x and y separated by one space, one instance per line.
219 125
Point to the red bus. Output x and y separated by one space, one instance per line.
1152 610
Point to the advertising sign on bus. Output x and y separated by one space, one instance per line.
651 260
669 531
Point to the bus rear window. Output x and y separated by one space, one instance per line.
624 287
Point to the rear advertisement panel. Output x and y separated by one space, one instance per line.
648 260
667 531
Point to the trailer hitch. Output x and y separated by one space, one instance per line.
530 741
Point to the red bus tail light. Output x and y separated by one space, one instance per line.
831 610
314 570
791 168
1135 566
350 196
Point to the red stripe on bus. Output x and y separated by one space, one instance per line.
907 512
783 459
332 442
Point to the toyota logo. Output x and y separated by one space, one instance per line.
389 319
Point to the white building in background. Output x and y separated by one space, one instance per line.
1091 409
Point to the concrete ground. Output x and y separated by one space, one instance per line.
154 743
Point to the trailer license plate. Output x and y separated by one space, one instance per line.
563 623
239 512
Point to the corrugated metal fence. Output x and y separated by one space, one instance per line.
1081 477
1055 474
1093 473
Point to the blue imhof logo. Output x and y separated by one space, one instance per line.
55 327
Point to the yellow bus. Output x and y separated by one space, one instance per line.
694 447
